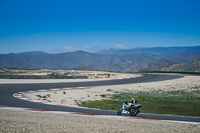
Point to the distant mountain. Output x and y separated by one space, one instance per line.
152 50
110 51
121 61
193 66
36 60
175 54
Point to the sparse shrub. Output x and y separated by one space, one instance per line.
41 96
103 96
109 90
48 95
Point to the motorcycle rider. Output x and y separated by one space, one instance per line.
131 107
129 104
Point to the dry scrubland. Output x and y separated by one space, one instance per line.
18 121
92 76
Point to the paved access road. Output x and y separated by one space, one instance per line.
7 99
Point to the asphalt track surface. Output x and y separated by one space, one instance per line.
7 99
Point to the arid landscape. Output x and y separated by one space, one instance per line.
100 66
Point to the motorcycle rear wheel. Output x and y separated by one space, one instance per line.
119 112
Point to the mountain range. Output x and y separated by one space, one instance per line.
118 60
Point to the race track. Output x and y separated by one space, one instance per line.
7 99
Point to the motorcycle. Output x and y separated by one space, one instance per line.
132 110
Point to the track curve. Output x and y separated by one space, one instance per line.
7 99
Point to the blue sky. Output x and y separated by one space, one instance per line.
68 25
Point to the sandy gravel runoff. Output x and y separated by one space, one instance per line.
18 121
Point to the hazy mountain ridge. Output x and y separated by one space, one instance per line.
121 61
154 50
129 66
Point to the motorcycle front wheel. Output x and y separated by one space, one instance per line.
134 111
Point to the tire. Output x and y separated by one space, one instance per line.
134 111
119 112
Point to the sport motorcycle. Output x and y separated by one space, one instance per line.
132 110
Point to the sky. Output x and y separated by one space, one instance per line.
56 26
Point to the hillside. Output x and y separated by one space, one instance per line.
193 66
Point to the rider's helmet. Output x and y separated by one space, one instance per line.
132 101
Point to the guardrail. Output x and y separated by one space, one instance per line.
178 72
